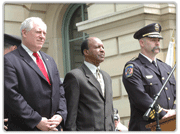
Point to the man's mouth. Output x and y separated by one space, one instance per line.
102 55
156 48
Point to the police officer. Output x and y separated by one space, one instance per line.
11 42
144 76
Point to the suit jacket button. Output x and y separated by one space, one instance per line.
166 88
163 78
169 98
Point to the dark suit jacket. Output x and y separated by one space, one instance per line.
145 82
87 109
27 93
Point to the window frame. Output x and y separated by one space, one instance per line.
65 34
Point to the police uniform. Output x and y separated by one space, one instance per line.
10 40
143 80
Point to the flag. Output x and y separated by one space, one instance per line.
170 57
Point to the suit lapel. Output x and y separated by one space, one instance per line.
25 57
106 85
92 79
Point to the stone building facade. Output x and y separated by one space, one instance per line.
114 23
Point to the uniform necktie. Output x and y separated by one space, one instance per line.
153 62
100 80
156 67
41 67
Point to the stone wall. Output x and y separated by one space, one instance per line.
115 25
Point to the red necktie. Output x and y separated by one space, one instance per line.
41 66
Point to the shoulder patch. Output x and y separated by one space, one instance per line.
129 70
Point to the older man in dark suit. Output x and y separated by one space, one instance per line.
88 91
33 91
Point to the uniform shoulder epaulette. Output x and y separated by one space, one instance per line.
133 58
159 60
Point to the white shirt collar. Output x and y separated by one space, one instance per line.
91 67
29 51
149 59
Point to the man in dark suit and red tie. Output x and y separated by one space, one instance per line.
88 91
33 91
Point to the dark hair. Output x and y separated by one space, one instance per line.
84 45
11 40
7 45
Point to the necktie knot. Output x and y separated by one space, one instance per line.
36 55
98 73
97 70
154 63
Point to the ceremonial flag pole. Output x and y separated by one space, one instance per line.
171 54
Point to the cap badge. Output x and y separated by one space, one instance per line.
156 26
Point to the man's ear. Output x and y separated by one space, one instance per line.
24 33
86 52
141 42
14 47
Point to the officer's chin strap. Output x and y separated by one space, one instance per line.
154 105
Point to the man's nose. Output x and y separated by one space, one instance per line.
157 43
102 49
43 35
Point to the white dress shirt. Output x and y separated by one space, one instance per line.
149 59
32 56
93 69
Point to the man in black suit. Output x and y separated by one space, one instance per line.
88 91
33 91
144 76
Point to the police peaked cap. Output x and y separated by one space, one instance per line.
12 39
152 30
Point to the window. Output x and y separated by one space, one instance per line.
72 38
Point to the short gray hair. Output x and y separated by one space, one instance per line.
28 23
